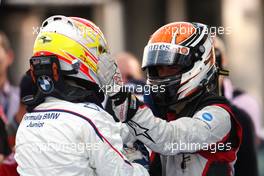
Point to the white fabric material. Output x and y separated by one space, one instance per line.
83 142
163 137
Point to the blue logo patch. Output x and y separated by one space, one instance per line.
45 83
207 116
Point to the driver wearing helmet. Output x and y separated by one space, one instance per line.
197 133
66 131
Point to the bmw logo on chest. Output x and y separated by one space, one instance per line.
45 84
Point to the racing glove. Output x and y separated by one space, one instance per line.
123 103
137 153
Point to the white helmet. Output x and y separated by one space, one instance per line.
187 47
72 48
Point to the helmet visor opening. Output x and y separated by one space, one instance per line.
164 71
164 54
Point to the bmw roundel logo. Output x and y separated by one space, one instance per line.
207 116
45 84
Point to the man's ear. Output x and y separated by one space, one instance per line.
10 55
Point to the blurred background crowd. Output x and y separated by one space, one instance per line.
127 25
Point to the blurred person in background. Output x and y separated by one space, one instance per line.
4 147
130 70
260 154
8 166
26 88
66 131
247 112
190 109
9 95
129 67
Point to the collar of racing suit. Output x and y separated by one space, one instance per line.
68 93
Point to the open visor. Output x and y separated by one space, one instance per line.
166 54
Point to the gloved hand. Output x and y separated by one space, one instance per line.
137 153
123 104
109 75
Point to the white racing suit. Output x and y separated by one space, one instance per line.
189 146
60 138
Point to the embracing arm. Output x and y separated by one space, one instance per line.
208 126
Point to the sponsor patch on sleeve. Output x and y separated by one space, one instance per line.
207 116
